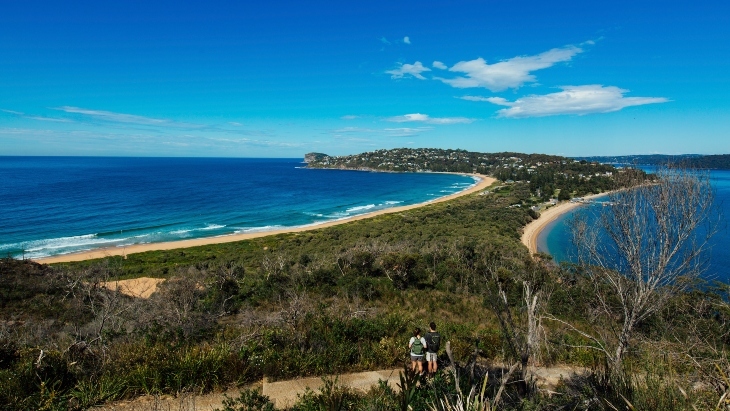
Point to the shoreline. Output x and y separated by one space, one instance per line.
481 183
532 230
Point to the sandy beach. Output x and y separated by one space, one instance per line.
484 182
533 230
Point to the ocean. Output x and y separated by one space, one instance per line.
555 239
58 205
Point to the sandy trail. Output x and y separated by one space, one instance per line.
285 393
533 229
484 182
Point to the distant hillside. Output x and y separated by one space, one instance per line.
716 162
431 159
548 176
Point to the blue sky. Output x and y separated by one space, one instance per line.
280 79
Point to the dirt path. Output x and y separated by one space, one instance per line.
285 393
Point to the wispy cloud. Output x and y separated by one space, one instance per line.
56 120
578 100
439 65
139 142
425 118
349 117
133 121
114 117
384 41
406 131
407 40
104 132
346 130
34 117
17 113
385 132
414 70
511 73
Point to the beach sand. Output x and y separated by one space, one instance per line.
533 230
483 183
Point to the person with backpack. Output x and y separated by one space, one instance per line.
433 342
418 346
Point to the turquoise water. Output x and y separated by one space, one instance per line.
58 205
555 239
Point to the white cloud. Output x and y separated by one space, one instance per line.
407 40
511 73
349 117
474 98
414 70
439 65
384 41
114 117
409 117
429 120
579 100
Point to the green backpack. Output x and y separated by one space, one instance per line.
417 347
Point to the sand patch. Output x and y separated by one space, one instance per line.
142 287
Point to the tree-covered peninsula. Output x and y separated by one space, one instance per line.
546 176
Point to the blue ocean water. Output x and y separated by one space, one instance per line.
58 205
555 239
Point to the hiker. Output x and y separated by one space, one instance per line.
433 343
418 348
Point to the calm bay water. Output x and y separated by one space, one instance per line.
57 205
555 238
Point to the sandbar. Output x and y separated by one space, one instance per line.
534 228
482 183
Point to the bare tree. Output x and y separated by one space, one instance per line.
520 320
94 292
274 264
636 250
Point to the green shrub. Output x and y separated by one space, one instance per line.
247 400
331 397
